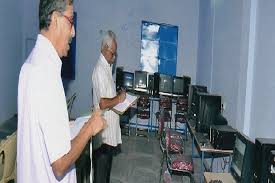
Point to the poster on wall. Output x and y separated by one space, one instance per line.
159 44
68 62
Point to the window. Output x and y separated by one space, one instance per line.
159 44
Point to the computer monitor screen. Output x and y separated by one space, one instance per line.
243 159
209 110
238 157
128 80
165 84
141 80
177 85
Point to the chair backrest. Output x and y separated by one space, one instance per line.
8 158
70 102
165 103
143 107
181 105
143 102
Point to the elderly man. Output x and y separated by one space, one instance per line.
105 97
45 151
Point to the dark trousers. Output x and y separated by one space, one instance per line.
102 161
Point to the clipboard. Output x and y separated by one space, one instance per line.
122 107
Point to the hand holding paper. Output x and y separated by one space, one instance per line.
122 107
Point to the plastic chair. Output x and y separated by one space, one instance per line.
177 162
170 141
143 112
173 148
163 116
180 115
8 159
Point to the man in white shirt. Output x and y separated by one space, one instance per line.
45 151
105 97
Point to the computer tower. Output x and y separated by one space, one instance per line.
186 84
156 84
119 78
222 137
271 162
150 84
263 148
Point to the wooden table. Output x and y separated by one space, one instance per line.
224 177
203 146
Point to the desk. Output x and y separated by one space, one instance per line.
203 146
224 177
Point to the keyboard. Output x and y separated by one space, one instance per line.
201 138
215 181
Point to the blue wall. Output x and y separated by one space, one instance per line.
124 17
10 56
226 45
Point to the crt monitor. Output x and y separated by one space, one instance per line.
141 83
242 165
193 98
209 110
177 86
128 80
165 84
263 147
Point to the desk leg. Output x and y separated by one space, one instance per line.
91 157
151 114
193 144
136 125
202 169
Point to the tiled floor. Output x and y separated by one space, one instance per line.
139 161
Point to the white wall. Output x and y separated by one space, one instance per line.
205 48
219 51
10 56
242 61
263 97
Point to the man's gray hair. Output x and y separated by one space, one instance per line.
47 7
107 39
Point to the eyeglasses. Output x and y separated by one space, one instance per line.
70 19
114 54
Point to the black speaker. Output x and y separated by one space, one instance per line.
156 84
186 84
151 84
263 148
222 137
271 172
119 78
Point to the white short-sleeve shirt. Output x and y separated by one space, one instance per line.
104 87
43 124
